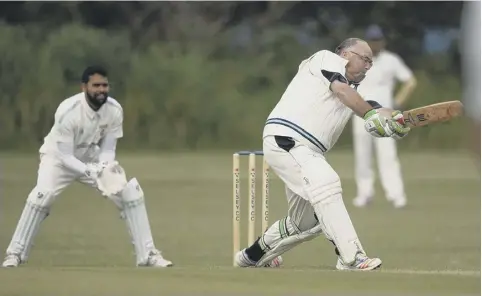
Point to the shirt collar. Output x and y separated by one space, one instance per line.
355 84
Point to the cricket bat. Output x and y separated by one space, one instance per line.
434 113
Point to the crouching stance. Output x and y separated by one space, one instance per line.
301 129
81 147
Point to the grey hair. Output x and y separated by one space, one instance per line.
347 43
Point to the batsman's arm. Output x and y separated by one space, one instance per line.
350 97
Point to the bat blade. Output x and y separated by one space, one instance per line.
434 113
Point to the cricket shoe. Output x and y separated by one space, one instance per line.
155 259
11 261
242 260
362 263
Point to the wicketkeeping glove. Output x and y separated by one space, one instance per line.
93 170
109 177
112 179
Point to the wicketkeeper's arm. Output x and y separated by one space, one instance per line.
69 160
107 148
109 142
64 134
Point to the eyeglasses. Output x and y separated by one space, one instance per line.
365 59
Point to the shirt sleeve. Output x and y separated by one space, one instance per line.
327 66
402 72
117 130
107 148
64 127
69 160
109 142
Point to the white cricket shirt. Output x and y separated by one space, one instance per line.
471 58
308 110
76 123
380 80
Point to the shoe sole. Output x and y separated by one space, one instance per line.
154 266
358 269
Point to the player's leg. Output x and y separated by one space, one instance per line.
308 175
390 171
322 188
282 235
300 213
51 180
132 208
364 175
301 225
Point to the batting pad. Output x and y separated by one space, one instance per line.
286 243
337 225
137 221
280 230
28 226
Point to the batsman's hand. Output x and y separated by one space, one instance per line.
377 124
397 126
383 123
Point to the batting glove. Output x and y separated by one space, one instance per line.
399 129
377 125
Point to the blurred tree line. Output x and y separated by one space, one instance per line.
199 75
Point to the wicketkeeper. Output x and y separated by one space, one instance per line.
81 146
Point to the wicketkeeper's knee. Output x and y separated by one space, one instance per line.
41 198
132 192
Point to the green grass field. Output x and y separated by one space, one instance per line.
430 248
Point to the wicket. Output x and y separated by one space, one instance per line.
251 198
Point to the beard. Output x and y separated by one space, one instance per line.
96 100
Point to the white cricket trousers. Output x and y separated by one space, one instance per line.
387 160
312 186
54 178
291 171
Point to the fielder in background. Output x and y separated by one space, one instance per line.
81 146
378 85
471 80
304 125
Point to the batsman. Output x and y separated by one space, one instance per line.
81 146
301 129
